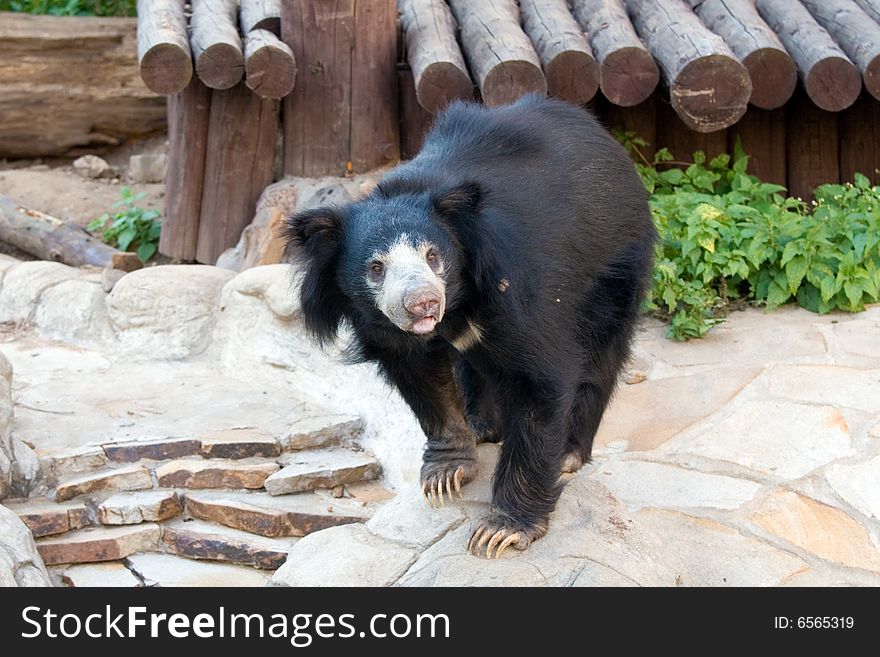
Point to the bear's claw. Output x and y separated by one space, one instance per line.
496 533
432 488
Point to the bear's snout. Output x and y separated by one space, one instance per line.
422 304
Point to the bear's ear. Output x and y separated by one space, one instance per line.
463 199
321 223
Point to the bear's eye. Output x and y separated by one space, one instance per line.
376 268
431 256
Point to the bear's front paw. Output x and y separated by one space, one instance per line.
446 476
498 532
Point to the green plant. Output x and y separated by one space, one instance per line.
132 227
72 7
728 239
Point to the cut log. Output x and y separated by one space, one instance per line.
69 83
628 73
163 45
188 114
571 70
242 131
269 65
708 86
871 7
500 54
855 32
216 45
260 15
342 115
49 238
433 54
771 68
832 81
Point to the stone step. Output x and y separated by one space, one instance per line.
323 431
326 468
288 515
198 539
161 449
45 517
135 508
238 444
133 477
94 544
112 574
171 570
214 473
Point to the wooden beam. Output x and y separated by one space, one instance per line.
627 71
762 134
855 32
571 70
813 149
830 78
708 86
163 45
500 55
260 15
859 128
270 68
438 68
871 7
216 44
415 120
771 68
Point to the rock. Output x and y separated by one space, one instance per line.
6 419
171 570
705 552
56 463
7 261
344 556
156 450
5 369
775 437
94 544
259 244
110 277
135 508
24 284
135 477
92 166
75 311
191 473
258 513
827 384
147 167
323 431
167 311
644 417
335 194
858 484
20 563
100 575
641 484
238 444
817 528
25 468
46 518
321 469
367 186
409 520
201 540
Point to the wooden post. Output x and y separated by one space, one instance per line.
163 45
433 54
762 134
342 115
500 54
414 119
569 66
188 114
216 44
859 127
812 146
628 73
830 78
270 69
773 73
242 132
855 32
708 87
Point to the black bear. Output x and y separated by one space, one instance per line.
496 279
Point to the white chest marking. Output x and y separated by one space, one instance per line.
471 336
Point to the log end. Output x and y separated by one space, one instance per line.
871 77
270 72
573 76
221 66
833 84
629 76
774 77
711 93
166 69
511 79
440 84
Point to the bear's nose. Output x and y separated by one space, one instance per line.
422 305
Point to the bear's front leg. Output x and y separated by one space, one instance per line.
526 485
426 382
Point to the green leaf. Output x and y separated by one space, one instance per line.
125 238
853 292
145 251
828 288
791 250
776 295
795 271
